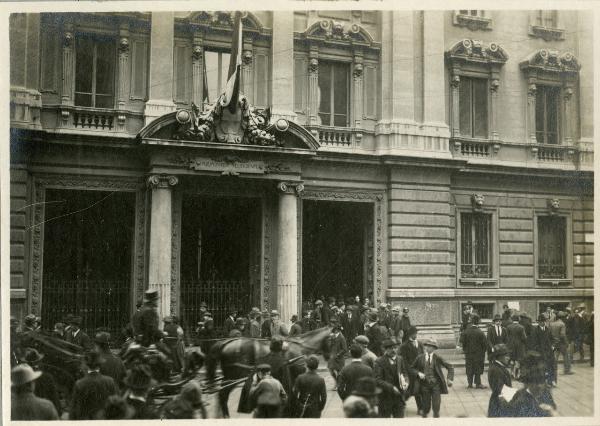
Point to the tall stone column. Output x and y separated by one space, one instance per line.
68 66
197 70
282 86
287 249
568 106
159 262
313 88
531 92
123 69
455 118
160 96
357 78
494 85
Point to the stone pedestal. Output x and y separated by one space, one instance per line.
159 262
160 96
287 251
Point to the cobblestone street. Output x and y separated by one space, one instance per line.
573 396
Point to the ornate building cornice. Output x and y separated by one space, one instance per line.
551 61
332 32
477 51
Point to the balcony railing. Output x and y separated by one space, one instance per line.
76 119
337 137
478 148
554 153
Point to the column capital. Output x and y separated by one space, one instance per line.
292 188
161 181
124 45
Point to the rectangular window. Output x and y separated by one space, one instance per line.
370 92
484 310
183 73
262 75
217 66
95 72
552 233
49 60
547 113
139 64
476 235
299 84
473 104
479 13
546 18
334 86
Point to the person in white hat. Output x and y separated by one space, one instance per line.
24 404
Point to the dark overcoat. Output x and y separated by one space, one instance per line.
309 395
409 353
498 376
494 339
338 349
474 344
438 363
90 394
27 406
350 375
516 340
387 377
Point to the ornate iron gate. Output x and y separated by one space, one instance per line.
100 303
219 295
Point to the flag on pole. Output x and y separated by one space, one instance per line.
232 89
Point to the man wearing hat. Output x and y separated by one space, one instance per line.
432 385
296 328
352 372
543 346
498 377
338 348
409 351
474 344
24 404
367 388
496 334
138 383
404 324
146 321
238 330
45 385
278 328
367 357
350 323
79 337
113 365
535 399
377 332
317 315
391 374
310 395
579 325
91 392
267 394
229 323
516 340
558 330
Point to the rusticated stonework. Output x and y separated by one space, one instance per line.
378 228
73 182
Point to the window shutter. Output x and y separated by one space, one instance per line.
49 60
181 74
139 66
262 76
370 92
300 72
465 107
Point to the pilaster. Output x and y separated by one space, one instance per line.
248 71
123 68
282 80
313 87
197 69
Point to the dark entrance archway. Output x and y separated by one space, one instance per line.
220 256
336 250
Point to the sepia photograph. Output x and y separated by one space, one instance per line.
312 211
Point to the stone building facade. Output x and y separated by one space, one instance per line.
421 158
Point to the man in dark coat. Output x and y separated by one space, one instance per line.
409 351
229 321
338 348
278 362
45 385
543 346
146 321
535 399
138 383
296 328
24 404
309 391
317 317
113 365
404 324
558 330
516 340
78 336
187 405
91 392
352 372
474 344
498 377
328 310
428 367
391 374
350 323
496 334
377 333
506 316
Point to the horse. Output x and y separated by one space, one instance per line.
237 357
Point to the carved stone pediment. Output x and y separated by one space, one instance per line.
328 30
477 51
552 61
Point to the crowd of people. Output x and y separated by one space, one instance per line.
388 365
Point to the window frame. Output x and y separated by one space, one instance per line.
550 302
541 30
482 321
554 282
559 114
494 256
95 38
482 20
349 98
470 79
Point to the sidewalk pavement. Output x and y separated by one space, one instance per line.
574 396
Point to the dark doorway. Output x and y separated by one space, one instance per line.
88 239
336 247
220 256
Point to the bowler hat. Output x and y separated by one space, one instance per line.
151 295
139 377
102 338
29 320
430 342
405 310
32 356
366 386
274 313
497 317
362 339
388 343
22 374
412 330
263 367
500 349
542 318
